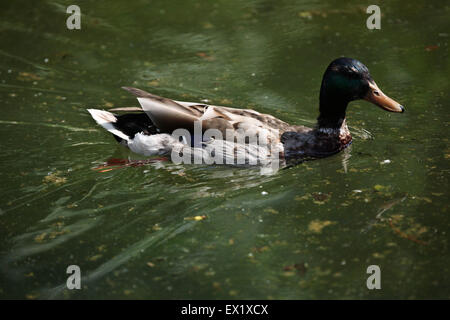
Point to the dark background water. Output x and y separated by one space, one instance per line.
321 223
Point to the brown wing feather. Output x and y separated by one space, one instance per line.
169 115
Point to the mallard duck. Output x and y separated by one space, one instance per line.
150 131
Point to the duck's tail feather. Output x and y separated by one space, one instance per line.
107 120
124 127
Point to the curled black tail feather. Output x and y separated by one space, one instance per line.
132 123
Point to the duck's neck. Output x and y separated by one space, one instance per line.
337 132
332 114
331 121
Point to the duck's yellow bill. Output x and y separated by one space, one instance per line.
377 97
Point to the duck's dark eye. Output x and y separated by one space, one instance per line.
375 92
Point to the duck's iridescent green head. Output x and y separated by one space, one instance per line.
346 80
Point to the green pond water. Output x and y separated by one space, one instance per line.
307 232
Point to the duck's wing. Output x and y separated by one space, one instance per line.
165 113
245 115
169 115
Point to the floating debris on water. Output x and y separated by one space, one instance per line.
196 218
316 226
55 178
